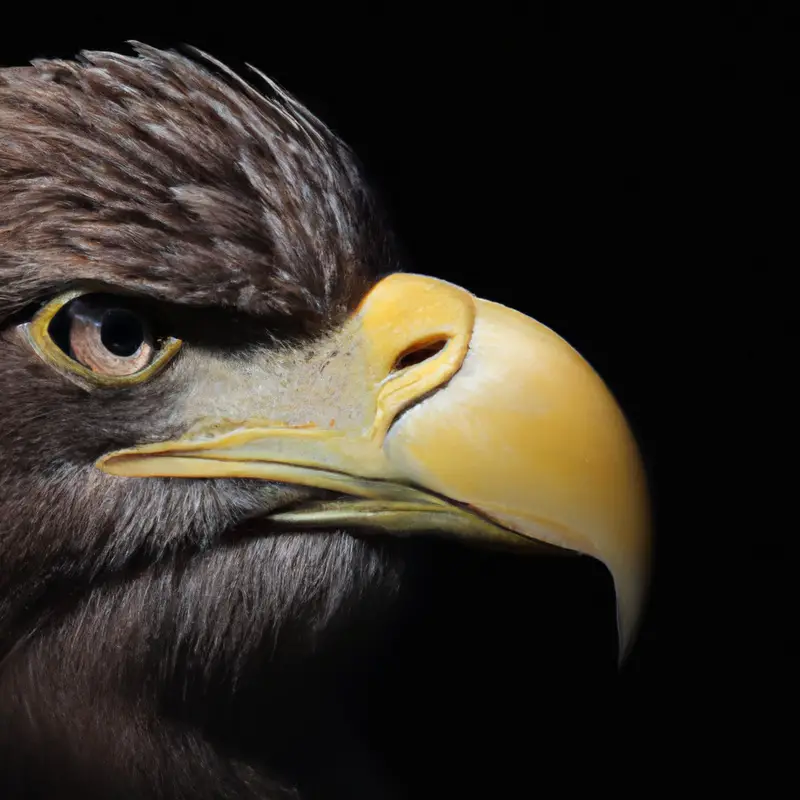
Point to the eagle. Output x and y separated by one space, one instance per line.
231 420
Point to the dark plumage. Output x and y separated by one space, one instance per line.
157 174
154 642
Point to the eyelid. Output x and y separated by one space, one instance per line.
38 335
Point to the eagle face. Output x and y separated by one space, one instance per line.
227 416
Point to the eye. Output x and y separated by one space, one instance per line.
107 340
101 338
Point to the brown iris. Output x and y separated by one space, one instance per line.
109 341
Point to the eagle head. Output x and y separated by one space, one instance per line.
232 424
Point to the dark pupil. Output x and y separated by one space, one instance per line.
121 332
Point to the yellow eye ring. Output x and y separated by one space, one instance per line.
38 334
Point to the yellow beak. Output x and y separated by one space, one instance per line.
455 415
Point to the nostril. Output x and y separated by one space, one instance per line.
419 352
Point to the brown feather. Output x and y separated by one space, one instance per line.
177 178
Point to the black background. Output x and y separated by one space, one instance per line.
604 172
